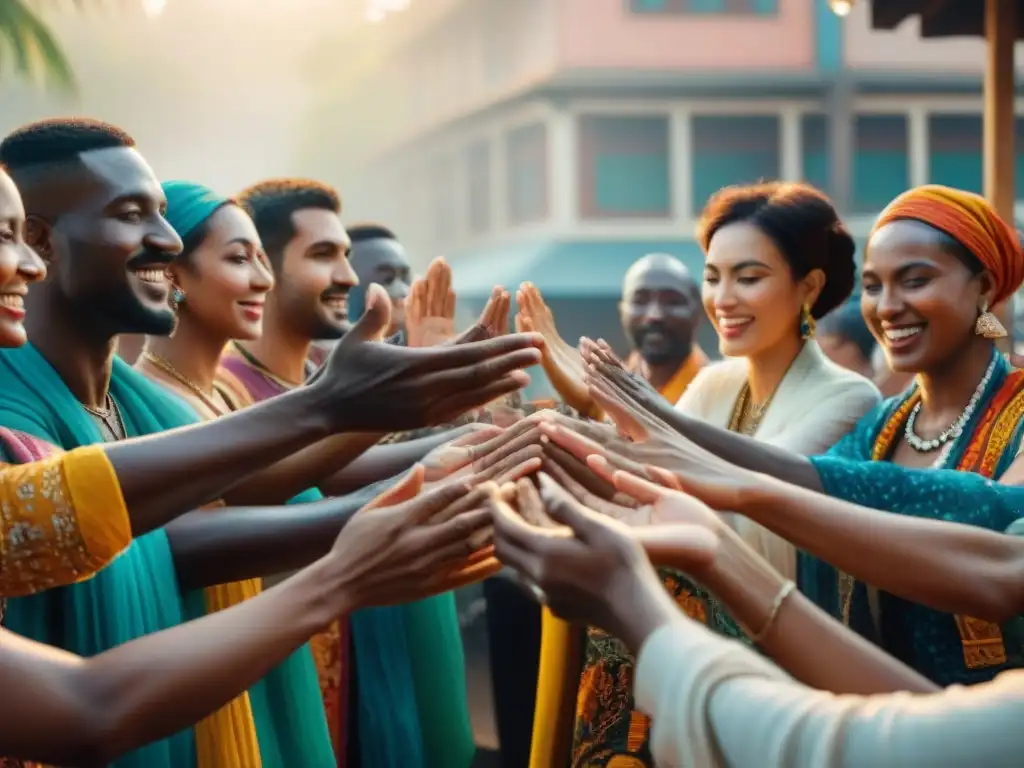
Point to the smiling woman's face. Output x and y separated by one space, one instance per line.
919 299
226 278
19 265
749 292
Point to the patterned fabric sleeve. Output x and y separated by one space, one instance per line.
61 520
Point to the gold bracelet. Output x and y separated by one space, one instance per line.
786 591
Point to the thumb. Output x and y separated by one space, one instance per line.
376 317
406 488
564 509
642 490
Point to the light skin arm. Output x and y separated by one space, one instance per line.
907 556
802 639
71 710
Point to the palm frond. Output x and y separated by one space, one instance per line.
27 43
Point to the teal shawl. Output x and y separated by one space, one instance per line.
138 593
925 639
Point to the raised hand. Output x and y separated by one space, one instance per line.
604 366
408 544
562 362
484 454
430 308
589 569
373 387
493 320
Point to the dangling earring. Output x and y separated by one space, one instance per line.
988 325
177 297
807 324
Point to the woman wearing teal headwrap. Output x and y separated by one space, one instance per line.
220 282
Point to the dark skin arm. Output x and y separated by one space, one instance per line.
384 461
238 543
312 467
163 475
88 711
907 556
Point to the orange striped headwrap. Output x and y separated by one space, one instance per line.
970 220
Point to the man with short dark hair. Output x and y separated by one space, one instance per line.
378 257
403 656
95 216
845 338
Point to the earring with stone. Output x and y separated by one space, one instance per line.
807 324
988 324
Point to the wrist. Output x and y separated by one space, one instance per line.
327 592
323 410
641 607
744 582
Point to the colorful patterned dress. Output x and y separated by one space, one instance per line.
945 648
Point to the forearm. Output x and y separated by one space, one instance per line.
802 639
907 556
234 544
744 451
384 461
311 467
164 475
64 710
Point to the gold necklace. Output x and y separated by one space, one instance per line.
167 367
117 429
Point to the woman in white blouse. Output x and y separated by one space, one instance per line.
715 702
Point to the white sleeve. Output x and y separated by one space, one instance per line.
716 703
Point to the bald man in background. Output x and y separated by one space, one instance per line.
661 310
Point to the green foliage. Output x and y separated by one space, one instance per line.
28 48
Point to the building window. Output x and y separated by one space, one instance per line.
526 152
478 186
816 165
734 149
954 151
445 198
1018 171
624 166
881 168
756 7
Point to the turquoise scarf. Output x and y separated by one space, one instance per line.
925 639
138 593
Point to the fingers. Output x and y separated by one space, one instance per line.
451 357
491 308
443 497
640 489
594 484
663 477
452 406
479 434
458 537
449 306
510 530
521 469
530 504
579 446
406 488
520 436
564 509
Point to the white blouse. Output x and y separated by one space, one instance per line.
717 704
816 403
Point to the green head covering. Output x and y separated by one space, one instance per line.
189 205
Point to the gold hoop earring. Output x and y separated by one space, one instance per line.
987 325
807 324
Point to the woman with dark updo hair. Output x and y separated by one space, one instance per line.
778 258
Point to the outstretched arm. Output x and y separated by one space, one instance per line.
64 710
237 543
906 554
